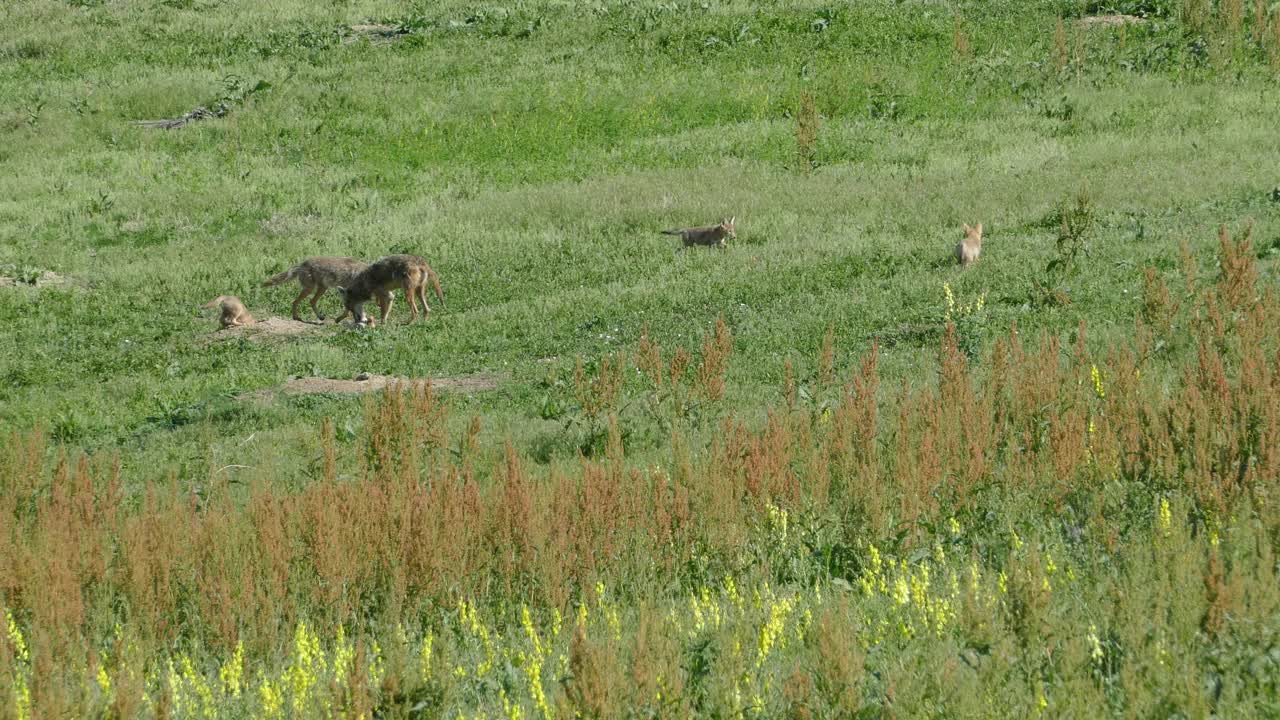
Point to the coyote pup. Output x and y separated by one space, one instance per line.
710 235
234 313
318 274
970 248
380 279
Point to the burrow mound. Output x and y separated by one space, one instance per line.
1092 21
16 277
264 330
374 32
369 382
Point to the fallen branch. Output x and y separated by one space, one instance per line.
235 92
200 113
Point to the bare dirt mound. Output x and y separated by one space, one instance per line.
1091 21
11 276
264 330
375 32
368 382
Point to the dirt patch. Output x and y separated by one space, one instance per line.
264 330
368 382
1092 21
375 32
11 276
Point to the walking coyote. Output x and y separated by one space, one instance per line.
710 235
380 279
234 313
318 274
970 248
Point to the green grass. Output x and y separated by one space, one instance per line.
534 167
532 152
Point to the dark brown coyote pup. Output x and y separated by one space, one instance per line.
380 279
234 313
970 248
318 274
708 236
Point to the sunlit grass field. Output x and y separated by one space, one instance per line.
824 472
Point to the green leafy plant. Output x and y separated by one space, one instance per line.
969 319
807 125
32 111
1077 224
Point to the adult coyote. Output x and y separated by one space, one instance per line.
380 279
318 274
710 235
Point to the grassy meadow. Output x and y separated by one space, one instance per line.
822 473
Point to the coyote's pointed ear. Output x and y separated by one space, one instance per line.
966 227
733 219
979 228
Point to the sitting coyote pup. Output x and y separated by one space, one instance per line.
234 313
318 274
970 248
380 279
710 235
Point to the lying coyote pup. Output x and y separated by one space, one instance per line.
710 236
970 248
380 279
318 274
234 313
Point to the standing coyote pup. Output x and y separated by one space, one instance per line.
380 279
710 235
234 313
318 274
970 248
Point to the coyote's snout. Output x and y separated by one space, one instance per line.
380 279
318 274
234 313
970 247
709 235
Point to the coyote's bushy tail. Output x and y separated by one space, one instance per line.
283 277
672 232
435 285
